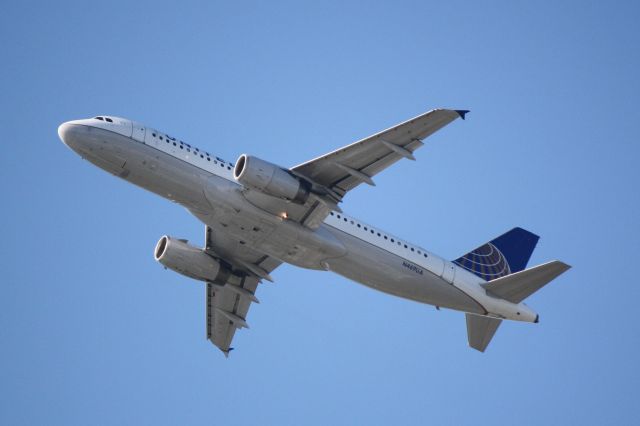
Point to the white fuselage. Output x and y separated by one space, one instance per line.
205 185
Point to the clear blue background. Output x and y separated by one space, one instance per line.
94 331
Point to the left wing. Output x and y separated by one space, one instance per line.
228 302
343 169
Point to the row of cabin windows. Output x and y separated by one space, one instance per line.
378 234
196 151
104 119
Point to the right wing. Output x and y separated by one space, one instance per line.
345 168
332 175
227 303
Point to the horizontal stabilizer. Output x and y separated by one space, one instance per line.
520 285
480 330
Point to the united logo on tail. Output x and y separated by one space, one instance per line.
502 256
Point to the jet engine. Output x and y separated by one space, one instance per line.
270 179
190 261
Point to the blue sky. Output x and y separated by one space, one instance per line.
94 331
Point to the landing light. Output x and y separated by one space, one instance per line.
284 215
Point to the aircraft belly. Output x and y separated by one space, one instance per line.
283 239
384 271
142 165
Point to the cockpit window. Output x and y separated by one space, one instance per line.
104 119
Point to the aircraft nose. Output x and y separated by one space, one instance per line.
63 132
68 133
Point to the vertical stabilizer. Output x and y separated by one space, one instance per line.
502 256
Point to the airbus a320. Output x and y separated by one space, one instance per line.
258 215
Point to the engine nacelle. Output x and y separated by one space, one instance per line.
190 261
258 174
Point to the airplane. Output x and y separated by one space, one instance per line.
258 215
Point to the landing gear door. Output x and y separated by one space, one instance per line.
138 132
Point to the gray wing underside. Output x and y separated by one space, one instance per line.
345 168
227 304
334 174
226 311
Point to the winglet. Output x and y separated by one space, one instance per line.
462 112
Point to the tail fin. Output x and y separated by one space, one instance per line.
502 256
514 288
480 330
502 263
